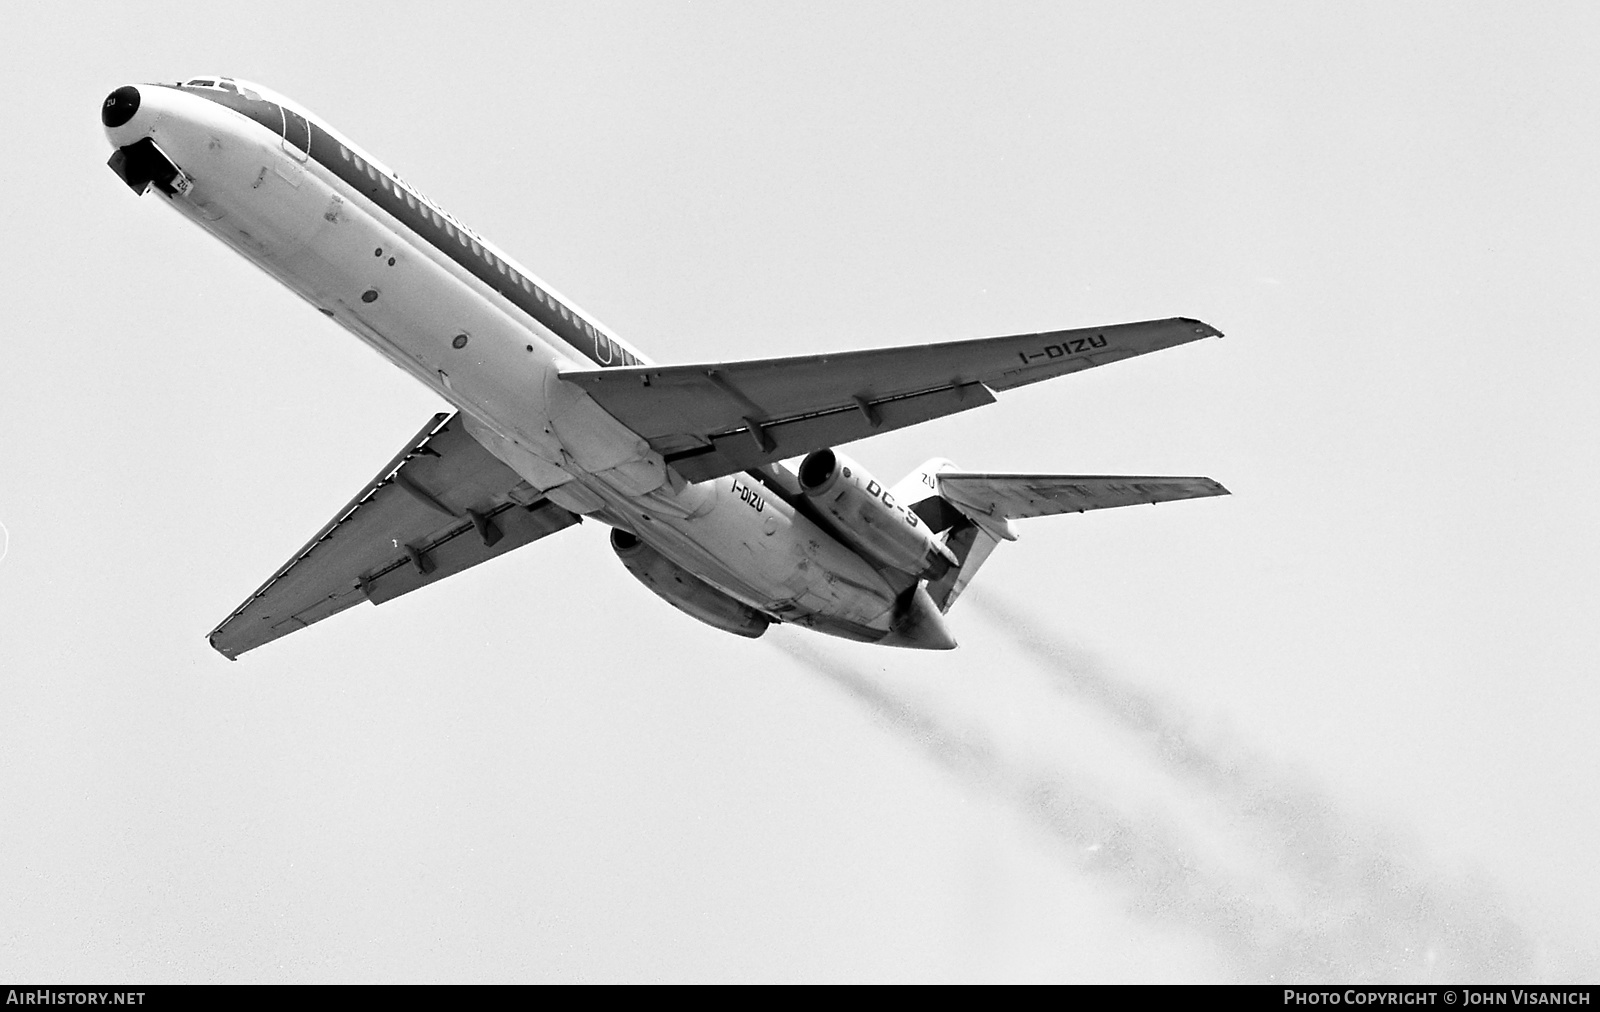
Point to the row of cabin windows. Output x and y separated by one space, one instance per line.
613 351
606 348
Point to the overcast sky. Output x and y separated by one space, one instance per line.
1337 726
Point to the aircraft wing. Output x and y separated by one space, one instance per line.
1015 496
444 504
721 418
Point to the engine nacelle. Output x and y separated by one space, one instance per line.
871 516
685 591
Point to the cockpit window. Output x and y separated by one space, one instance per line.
202 82
227 86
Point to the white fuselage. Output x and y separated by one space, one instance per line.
372 253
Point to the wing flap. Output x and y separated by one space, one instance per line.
701 412
745 449
442 505
1017 496
461 548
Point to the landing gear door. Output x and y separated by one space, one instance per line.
296 135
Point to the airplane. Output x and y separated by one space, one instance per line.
555 419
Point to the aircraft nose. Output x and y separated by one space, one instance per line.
120 106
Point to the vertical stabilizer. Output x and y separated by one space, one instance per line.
971 545
966 539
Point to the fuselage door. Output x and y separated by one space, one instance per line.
296 135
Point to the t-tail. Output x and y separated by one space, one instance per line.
941 524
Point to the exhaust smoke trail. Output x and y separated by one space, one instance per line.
1094 837
1370 903
1355 910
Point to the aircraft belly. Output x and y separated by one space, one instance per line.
598 443
325 246
756 548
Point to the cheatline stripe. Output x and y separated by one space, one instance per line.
430 223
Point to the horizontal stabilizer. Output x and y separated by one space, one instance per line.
994 498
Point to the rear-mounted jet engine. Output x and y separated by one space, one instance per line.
870 516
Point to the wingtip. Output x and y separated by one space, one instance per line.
211 641
1201 328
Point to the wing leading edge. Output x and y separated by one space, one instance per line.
442 505
714 419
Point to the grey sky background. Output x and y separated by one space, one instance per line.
1339 725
